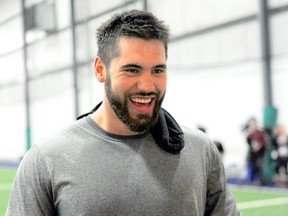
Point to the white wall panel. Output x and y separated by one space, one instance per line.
11 35
12 67
90 90
236 44
184 16
85 42
13 135
280 88
29 3
51 114
89 8
52 106
63 13
50 54
279 34
9 8
277 3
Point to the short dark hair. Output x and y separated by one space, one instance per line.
133 23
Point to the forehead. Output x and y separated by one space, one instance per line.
140 49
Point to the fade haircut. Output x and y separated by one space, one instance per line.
134 23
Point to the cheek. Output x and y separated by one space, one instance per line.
161 84
120 86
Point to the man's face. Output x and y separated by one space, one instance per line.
136 82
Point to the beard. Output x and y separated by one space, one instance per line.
143 122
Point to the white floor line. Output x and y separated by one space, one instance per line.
264 202
7 186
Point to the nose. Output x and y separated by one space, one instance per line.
146 82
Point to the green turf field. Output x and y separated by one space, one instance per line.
6 179
260 201
251 201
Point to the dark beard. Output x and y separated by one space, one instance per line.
143 122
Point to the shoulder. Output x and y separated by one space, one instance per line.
198 143
196 137
57 148
64 140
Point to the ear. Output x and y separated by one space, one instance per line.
99 69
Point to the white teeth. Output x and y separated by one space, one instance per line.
141 100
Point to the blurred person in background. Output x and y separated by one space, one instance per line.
280 154
256 140
220 148
128 156
202 128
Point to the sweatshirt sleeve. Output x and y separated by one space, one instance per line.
230 205
219 200
31 191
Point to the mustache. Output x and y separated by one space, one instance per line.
146 94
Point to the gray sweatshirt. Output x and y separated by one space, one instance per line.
83 170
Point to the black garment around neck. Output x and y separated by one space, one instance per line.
166 132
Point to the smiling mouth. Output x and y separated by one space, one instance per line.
142 100
143 104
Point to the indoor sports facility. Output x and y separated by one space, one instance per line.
227 64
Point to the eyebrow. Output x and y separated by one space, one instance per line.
130 66
138 66
161 66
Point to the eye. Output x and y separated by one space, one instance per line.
131 70
158 70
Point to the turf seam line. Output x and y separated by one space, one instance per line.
263 202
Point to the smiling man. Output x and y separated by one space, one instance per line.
128 156
135 86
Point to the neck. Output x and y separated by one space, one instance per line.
106 118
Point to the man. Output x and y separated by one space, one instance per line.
127 156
